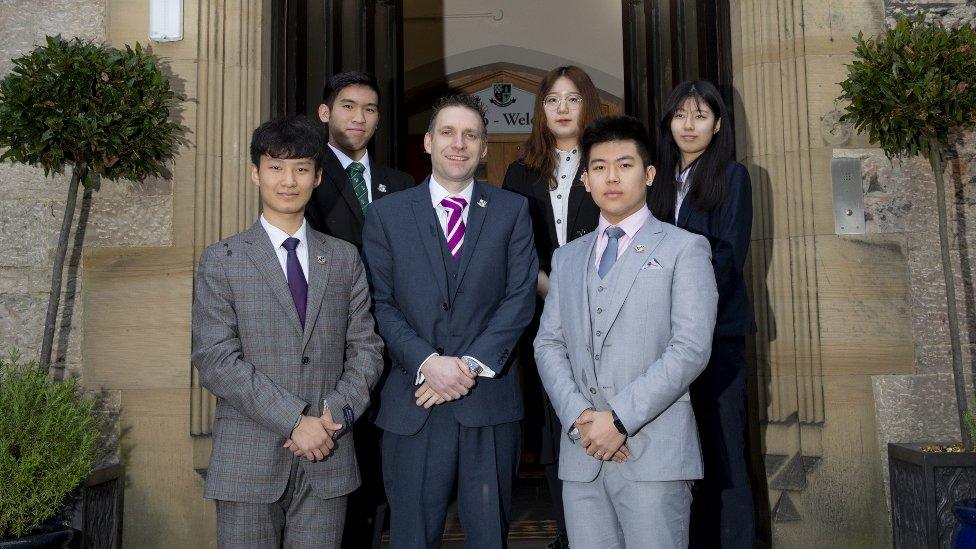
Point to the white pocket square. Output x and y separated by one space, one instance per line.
652 264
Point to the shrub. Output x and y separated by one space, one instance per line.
48 433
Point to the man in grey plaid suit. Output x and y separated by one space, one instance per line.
283 336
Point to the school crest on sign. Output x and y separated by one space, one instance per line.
502 94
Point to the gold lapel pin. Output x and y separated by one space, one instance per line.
482 202
640 248
320 259
381 188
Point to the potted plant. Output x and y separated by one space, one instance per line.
94 109
908 89
48 436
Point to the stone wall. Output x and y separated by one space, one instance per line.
900 199
32 205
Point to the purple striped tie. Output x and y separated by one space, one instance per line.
455 225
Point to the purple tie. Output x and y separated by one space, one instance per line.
296 278
455 225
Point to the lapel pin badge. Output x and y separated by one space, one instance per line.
381 188
482 202
320 259
640 248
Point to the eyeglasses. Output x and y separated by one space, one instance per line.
573 101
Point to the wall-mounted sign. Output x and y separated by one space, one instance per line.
509 108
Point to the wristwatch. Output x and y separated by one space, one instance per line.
473 365
619 424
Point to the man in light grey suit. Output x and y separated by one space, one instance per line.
283 336
626 328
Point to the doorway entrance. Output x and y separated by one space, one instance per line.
659 43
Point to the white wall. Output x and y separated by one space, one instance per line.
443 37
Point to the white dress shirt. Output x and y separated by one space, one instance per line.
438 193
367 175
567 163
683 187
278 237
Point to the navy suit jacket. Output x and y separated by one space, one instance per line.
420 309
728 229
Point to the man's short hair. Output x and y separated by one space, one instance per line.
616 128
343 80
463 100
289 137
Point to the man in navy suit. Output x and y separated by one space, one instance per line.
453 269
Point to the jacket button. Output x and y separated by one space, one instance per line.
444 306
593 390
440 350
305 360
599 333
596 357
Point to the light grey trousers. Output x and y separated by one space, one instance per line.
613 512
299 519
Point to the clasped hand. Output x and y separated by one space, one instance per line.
312 439
600 438
445 378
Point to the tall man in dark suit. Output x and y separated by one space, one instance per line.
351 181
454 270
283 336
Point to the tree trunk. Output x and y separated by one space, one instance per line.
78 172
962 395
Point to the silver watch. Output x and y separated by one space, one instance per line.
473 365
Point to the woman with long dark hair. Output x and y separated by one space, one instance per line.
700 188
548 174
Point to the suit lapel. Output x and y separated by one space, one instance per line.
429 230
380 181
629 265
340 179
684 212
576 194
472 229
578 273
541 189
261 253
318 280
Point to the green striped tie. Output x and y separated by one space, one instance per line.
355 171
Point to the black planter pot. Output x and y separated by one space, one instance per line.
924 488
46 536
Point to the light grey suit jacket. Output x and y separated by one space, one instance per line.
252 353
662 313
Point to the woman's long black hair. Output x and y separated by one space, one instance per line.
708 176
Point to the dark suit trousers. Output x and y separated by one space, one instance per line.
419 472
722 512
298 519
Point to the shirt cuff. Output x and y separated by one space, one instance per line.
420 375
485 371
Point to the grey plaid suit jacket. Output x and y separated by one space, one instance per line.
656 339
252 353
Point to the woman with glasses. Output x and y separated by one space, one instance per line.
548 175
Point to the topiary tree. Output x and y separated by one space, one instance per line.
92 108
48 433
909 88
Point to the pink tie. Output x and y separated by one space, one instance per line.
455 225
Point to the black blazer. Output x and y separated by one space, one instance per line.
334 209
582 217
728 229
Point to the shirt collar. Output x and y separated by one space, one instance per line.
438 193
572 154
278 236
345 160
631 224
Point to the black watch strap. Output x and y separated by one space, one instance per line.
619 424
